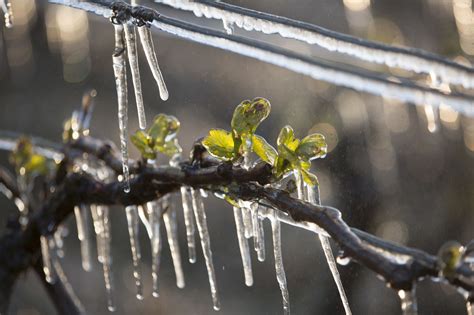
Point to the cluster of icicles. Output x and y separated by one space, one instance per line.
126 48
248 216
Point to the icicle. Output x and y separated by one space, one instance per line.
107 258
98 229
171 225
145 218
120 71
154 214
313 196
189 223
247 219
470 308
149 49
201 221
408 301
244 247
259 238
280 271
132 221
335 273
58 240
83 235
48 269
131 43
7 12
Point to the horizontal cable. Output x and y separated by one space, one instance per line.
410 59
390 87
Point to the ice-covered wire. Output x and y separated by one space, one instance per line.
406 58
390 87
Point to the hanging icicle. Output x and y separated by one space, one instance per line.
147 43
189 222
312 195
155 211
244 247
82 223
470 308
258 236
408 302
132 221
201 222
120 71
107 257
101 220
46 252
61 231
7 12
171 225
131 44
279 269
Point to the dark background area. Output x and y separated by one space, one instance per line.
386 171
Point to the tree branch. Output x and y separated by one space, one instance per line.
400 266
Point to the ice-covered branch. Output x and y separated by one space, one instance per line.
410 59
400 266
390 87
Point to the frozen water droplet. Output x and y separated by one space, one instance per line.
228 26
243 246
150 54
120 72
343 261
201 222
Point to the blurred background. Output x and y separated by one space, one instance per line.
398 171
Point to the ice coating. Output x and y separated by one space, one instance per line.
120 71
243 246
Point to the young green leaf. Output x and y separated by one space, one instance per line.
287 138
25 161
309 178
248 115
144 144
263 149
219 143
312 147
164 128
